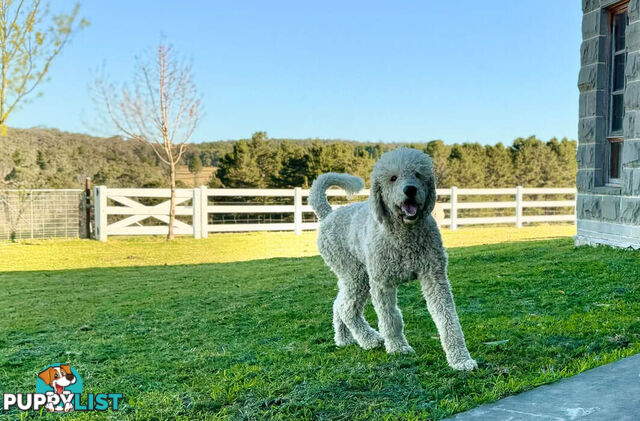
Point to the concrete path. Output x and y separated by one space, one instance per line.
609 392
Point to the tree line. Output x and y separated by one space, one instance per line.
261 162
48 158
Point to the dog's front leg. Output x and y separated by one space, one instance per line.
437 293
390 323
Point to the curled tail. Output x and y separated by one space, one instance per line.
317 196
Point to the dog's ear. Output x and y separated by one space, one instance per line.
378 207
430 202
66 368
47 375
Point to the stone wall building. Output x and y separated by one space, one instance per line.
608 180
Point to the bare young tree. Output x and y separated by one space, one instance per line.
161 109
28 45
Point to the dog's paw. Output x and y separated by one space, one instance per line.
400 349
341 341
464 365
372 340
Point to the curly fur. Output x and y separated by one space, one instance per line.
317 197
375 246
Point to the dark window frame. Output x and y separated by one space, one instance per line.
615 138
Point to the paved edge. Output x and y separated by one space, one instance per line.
608 392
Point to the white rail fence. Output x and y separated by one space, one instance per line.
130 211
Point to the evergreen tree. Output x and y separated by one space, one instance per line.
265 156
530 159
499 170
294 168
239 168
565 150
439 153
467 163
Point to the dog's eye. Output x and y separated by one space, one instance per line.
393 178
55 376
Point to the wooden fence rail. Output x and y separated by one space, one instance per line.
124 211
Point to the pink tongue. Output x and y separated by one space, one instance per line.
410 210
59 389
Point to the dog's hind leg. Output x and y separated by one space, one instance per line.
350 305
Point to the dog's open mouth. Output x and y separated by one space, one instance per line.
59 389
409 211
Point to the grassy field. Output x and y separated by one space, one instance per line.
253 339
218 248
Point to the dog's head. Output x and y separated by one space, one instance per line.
58 377
403 187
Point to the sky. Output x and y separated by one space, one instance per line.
393 71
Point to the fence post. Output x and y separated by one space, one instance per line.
87 205
519 207
100 212
196 208
297 210
453 213
31 211
204 212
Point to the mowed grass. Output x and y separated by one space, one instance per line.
253 340
218 248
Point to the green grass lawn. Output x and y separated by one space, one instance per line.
219 248
253 340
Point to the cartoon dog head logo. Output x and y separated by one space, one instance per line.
59 379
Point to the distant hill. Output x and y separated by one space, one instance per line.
50 158
41 158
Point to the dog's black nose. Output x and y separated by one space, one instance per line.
70 376
410 191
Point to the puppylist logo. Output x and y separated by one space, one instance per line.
59 389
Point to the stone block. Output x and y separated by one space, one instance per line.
591 129
631 153
631 124
588 207
586 156
593 51
633 10
598 174
632 68
593 76
592 24
631 178
592 104
610 207
632 36
590 5
630 211
632 96
585 180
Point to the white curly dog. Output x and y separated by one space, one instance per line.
375 246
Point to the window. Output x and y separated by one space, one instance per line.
618 59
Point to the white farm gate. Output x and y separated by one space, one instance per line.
200 211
